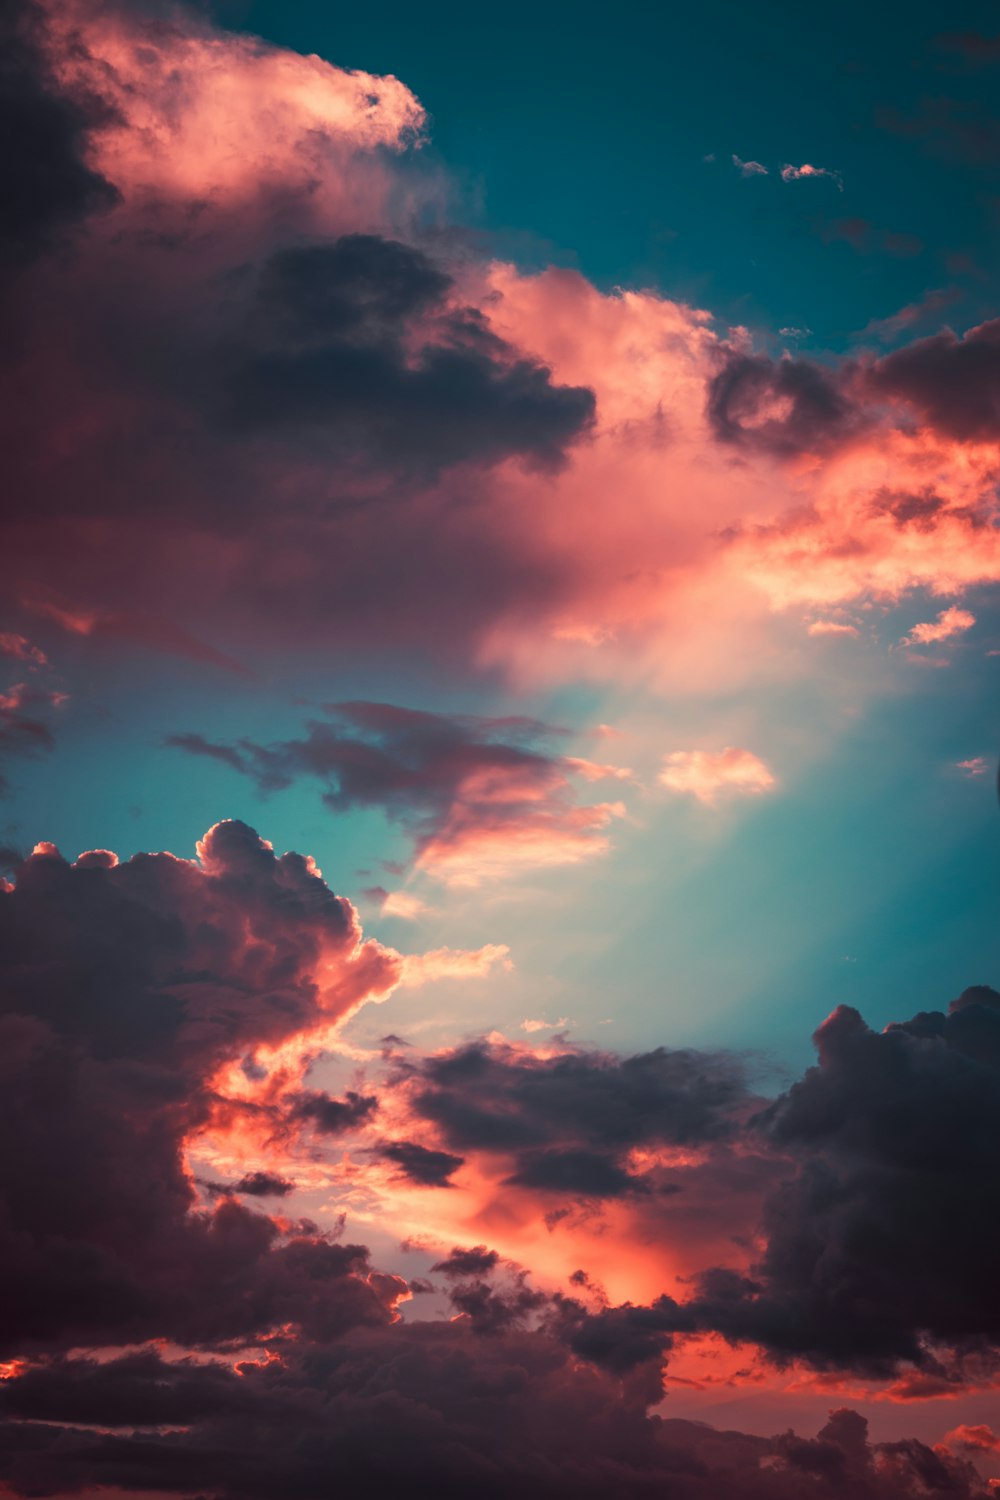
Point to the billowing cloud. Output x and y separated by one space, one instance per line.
137 995
344 428
127 987
711 774
874 1249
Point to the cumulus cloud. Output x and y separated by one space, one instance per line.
709 774
344 428
140 998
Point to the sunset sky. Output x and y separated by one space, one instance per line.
502 542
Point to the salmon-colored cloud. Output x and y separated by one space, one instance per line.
790 173
949 623
709 775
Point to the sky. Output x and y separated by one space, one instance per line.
498 751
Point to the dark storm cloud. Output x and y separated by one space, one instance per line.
333 1116
569 1121
420 1164
585 1174
443 1410
363 349
784 407
953 383
478 1261
123 989
263 1185
45 183
125 986
882 1244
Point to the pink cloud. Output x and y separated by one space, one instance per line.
453 963
790 173
949 623
708 775
21 649
978 765
831 627
709 509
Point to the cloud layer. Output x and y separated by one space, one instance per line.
156 1338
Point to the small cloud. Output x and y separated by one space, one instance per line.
749 168
707 774
926 308
545 1025
402 904
950 622
454 963
978 765
21 649
790 173
794 333
831 627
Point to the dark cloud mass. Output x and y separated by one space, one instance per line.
363 348
784 407
953 383
45 182
448 778
125 987
881 1246
420 1164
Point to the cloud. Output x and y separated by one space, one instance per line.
26 722
949 623
263 1185
781 407
791 173
140 998
353 338
567 1123
20 649
129 990
972 1439
977 766
914 313
708 774
477 1261
874 1255
420 1164
482 798
953 383
831 627
49 186
749 168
